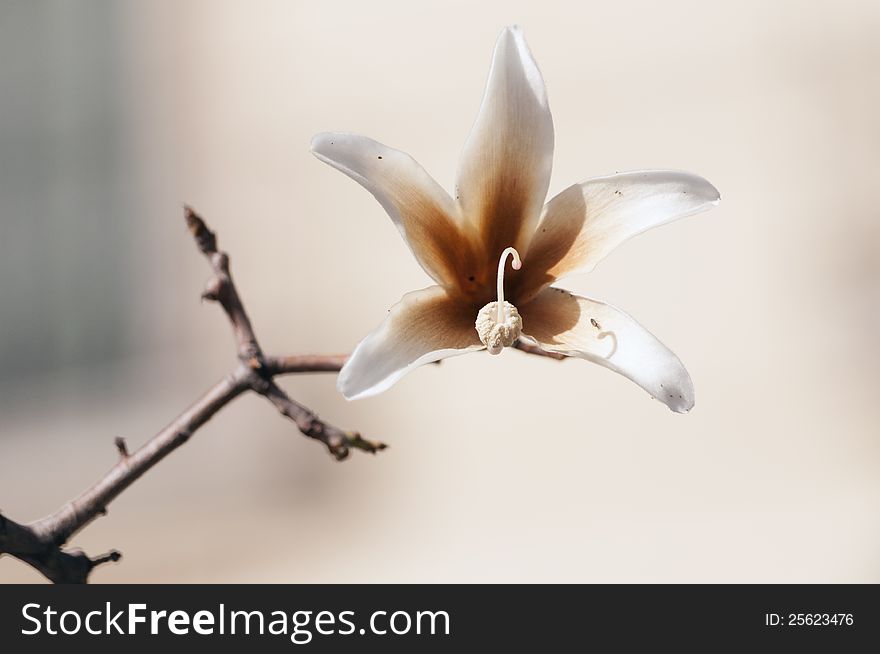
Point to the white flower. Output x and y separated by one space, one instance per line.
500 189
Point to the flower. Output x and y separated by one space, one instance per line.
501 185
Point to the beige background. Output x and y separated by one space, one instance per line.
505 469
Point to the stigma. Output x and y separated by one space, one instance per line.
498 323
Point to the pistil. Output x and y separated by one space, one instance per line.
498 323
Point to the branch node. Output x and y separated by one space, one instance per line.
220 260
256 381
121 447
213 289
182 436
110 557
205 238
356 441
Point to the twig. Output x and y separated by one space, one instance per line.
337 441
304 363
41 543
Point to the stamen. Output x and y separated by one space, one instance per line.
516 265
498 323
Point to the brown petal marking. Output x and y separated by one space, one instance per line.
501 223
441 244
552 313
506 206
505 168
554 244
439 320
426 325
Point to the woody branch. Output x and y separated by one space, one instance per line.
42 543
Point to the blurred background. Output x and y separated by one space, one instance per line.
114 114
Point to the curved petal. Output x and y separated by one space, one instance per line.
423 212
505 167
561 322
588 220
425 326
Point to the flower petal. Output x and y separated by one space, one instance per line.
561 322
425 326
423 212
588 220
505 166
